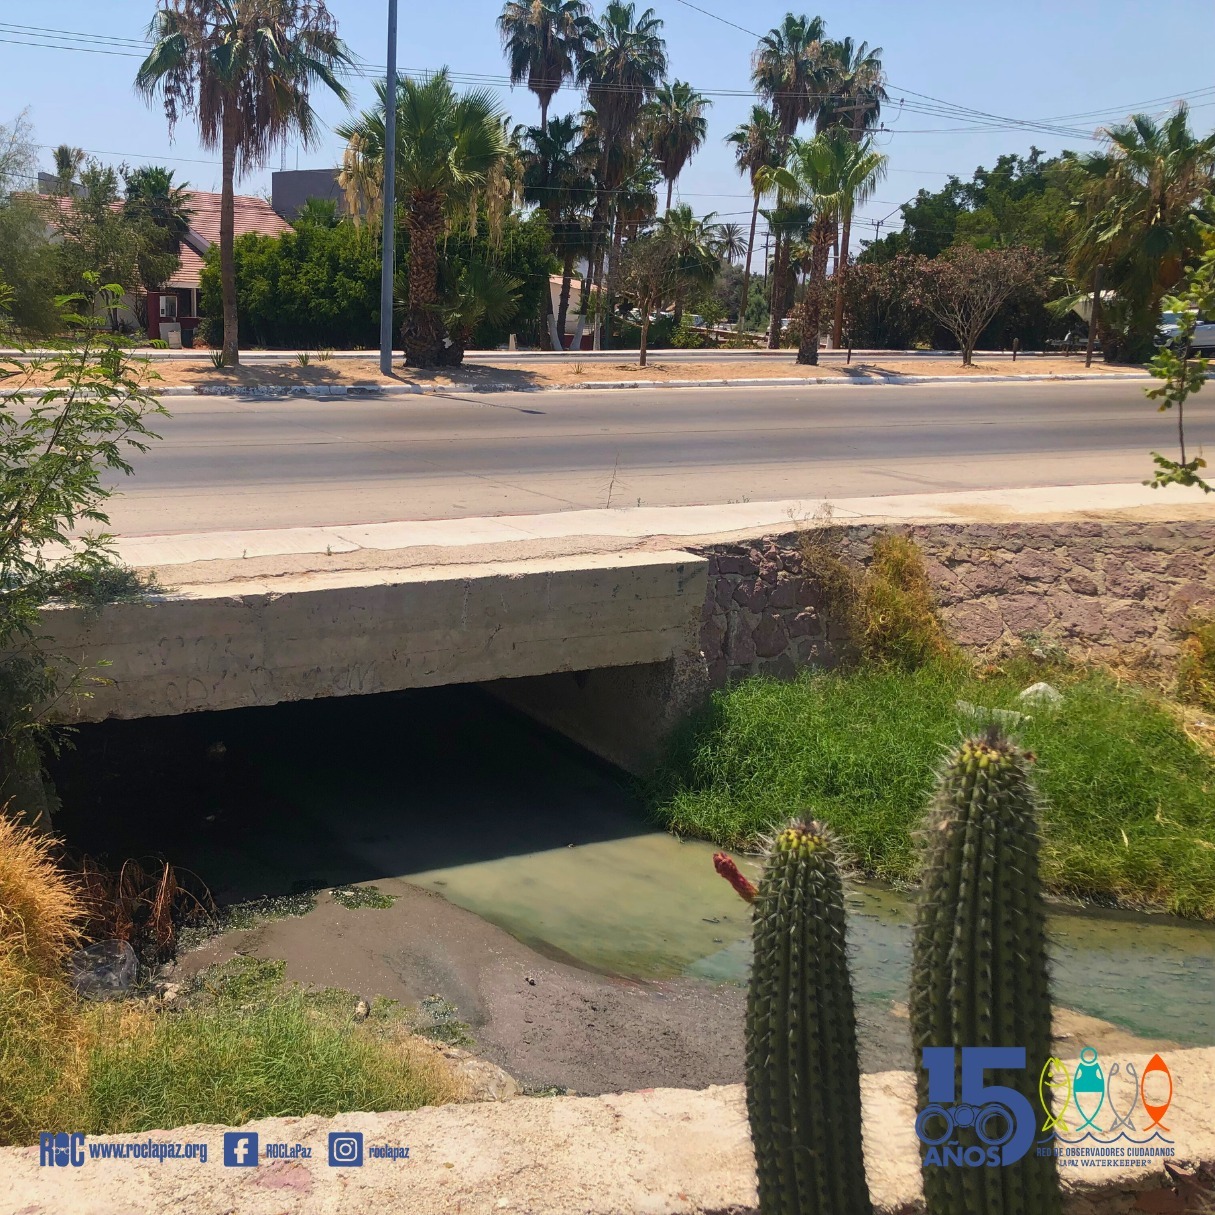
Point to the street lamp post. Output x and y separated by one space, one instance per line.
390 194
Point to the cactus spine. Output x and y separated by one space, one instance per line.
979 965
803 1078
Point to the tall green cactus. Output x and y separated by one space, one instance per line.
803 1078
979 965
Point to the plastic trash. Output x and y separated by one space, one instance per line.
103 970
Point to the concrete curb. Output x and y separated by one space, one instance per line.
333 391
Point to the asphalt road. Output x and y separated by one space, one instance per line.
230 464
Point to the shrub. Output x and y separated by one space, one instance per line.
40 908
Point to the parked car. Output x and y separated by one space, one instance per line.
1203 338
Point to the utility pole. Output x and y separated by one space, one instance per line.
1092 315
390 195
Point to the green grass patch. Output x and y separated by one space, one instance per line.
243 1045
1129 800
355 897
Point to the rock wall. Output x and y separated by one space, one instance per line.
1099 587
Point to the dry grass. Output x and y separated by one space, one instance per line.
1196 665
41 914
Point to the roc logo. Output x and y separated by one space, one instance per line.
1091 1103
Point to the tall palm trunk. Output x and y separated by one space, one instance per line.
670 189
841 279
563 302
742 304
776 299
543 114
227 232
422 333
811 307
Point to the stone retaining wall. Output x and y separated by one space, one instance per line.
1099 587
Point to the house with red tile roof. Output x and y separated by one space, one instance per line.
177 302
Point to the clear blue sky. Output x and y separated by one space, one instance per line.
1035 60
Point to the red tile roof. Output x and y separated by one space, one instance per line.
251 215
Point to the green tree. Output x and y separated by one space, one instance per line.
559 178
245 69
313 286
99 237
68 163
855 87
624 68
647 279
1139 216
788 72
27 258
544 41
693 245
60 448
830 173
151 194
1182 375
676 127
448 146
756 147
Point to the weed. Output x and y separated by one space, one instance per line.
355 897
1196 664
303 358
436 1018
324 355
93 587
41 913
217 359
578 369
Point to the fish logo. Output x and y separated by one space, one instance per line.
1122 1120
1055 1078
1156 1110
1088 1083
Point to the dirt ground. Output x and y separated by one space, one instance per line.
662 366
546 1020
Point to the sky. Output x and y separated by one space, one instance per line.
1070 67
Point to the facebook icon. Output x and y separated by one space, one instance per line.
240 1149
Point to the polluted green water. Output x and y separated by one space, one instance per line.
452 792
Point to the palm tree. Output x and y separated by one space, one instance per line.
626 64
151 194
448 147
829 173
558 177
544 40
68 162
245 69
786 70
694 249
855 85
756 146
676 126
1139 216
730 243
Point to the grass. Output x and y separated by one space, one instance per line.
244 1046
1129 811
355 897
1196 665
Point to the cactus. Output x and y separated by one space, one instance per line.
979 966
803 1078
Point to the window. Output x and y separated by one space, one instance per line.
168 307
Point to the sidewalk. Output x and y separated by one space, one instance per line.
626 527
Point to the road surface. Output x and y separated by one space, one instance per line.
232 464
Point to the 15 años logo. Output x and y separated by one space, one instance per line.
999 1121
1090 1115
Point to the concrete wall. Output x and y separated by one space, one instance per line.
1097 587
356 632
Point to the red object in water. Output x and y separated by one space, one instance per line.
729 870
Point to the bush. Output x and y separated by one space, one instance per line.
1129 811
686 338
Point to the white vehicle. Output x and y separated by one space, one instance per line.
1203 338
